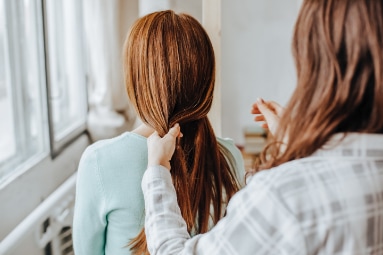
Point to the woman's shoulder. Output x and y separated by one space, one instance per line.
229 144
124 141
236 155
118 158
109 180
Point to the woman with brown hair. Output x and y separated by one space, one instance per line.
169 66
319 187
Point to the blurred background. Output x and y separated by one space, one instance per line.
61 88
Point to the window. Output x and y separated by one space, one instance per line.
21 86
42 80
7 137
67 80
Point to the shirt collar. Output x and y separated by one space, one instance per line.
353 145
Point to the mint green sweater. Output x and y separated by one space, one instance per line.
109 209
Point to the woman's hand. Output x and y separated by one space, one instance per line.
268 111
161 150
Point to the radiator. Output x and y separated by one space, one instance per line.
48 229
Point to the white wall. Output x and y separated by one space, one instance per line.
192 7
256 58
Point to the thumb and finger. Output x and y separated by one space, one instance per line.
266 110
174 132
272 105
270 113
277 108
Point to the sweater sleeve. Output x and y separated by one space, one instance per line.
89 224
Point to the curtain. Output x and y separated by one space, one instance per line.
106 25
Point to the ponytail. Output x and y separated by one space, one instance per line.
203 177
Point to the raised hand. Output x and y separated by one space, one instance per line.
268 112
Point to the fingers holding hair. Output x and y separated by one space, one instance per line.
161 150
175 131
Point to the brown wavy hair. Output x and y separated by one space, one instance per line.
169 71
338 51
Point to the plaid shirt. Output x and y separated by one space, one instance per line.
328 203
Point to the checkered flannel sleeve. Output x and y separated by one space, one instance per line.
256 222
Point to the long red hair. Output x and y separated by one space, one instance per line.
169 72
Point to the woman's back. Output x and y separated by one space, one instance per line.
109 201
332 200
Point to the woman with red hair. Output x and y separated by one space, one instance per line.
169 73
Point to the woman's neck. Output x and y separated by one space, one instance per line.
143 130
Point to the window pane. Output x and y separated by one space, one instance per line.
7 136
66 66
21 86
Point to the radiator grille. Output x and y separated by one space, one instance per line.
66 244
62 244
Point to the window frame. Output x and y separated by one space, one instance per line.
57 146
